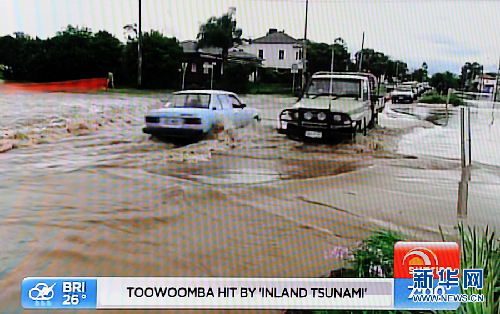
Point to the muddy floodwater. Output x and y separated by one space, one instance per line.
84 193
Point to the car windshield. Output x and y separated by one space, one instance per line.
340 87
189 101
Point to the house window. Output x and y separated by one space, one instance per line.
281 54
298 55
261 54
193 67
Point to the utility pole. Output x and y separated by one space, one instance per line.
495 92
304 48
361 54
139 49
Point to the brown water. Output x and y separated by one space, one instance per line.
85 193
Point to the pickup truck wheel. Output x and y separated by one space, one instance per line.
374 120
293 137
353 134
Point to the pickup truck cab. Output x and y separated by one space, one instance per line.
192 114
334 105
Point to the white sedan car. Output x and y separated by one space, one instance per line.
192 114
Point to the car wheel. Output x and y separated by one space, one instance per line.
293 137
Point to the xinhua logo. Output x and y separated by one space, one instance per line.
410 256
425 268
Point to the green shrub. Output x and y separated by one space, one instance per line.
481 251
374 258
435 98
268 88
235 78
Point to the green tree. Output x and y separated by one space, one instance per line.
374 62
469 73
425 70
15 53
236 78
319 57
221 32
443 81
396 70
74 53
161 60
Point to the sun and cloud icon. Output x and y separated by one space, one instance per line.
41 292
420 256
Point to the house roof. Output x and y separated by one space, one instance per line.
233 55
486 76
275 37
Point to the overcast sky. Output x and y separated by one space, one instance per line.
443 33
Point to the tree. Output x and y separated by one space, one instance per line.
220 32
74 53
374 62
396 69
161 60
469 73
442 81
425 71
319 57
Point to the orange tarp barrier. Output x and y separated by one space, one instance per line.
66 86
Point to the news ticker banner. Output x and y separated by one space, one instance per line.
426 276
206 293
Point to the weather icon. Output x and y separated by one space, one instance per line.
41 292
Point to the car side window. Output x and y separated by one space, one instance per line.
217 102
235 102
224 101
365 91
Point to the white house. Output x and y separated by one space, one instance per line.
486 83
278 50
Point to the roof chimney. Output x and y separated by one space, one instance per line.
273 31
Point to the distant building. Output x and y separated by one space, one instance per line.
278 50
201 62
485 83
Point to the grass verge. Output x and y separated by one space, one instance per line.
435 98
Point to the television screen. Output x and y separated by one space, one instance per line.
314 155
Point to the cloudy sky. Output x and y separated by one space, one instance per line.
443 33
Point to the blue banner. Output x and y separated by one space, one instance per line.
433 298
59 293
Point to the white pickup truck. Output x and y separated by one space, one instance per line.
335 105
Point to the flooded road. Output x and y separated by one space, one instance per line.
85 193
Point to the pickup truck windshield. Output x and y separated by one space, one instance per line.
340 88
189 101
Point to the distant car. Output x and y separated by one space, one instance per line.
192 114
403 95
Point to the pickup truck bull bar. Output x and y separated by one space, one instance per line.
302 123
